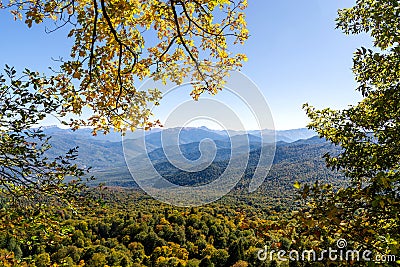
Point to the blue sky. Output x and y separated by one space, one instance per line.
295 56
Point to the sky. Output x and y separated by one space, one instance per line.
295 56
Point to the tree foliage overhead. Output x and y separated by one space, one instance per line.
367 212
119 42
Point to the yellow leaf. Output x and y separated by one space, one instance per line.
297 185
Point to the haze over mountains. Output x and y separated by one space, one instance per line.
298 154
188 134
106 150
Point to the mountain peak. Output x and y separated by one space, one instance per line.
49 127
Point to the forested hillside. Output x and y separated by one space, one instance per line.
128 228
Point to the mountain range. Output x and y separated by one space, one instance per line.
102 151
298 154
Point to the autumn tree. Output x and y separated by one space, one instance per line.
119 42
366 213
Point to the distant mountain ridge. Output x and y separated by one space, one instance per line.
190 134
298 161
104 151
298 151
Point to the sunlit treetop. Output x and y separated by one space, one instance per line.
118 43
374 70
